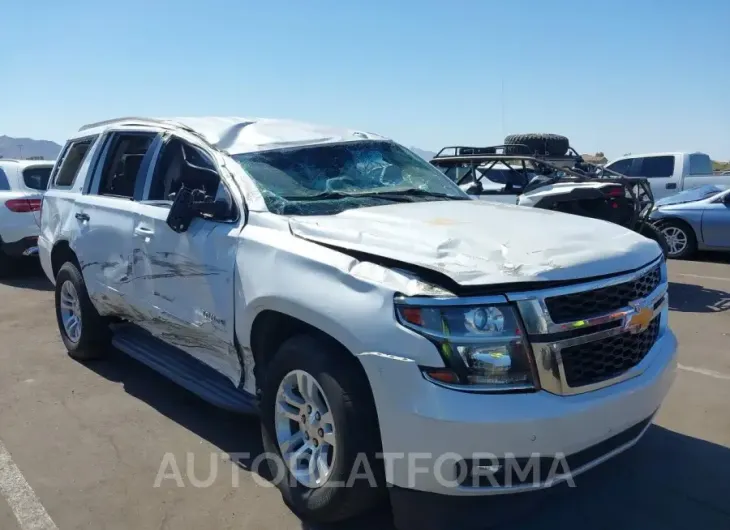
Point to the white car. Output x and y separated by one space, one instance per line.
22 184
375 316
670 173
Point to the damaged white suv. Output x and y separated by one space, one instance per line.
353 296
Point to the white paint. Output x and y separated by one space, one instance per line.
482 243
21 498
704 371
702 277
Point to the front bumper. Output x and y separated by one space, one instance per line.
429 432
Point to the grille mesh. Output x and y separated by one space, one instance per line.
600 360
587 304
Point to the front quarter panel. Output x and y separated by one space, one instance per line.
690 215
347 299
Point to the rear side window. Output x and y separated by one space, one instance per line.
657 167
36 178
72 158
4 184
700 165
122 166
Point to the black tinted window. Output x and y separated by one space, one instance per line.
4 184
71 161
37 177
657 166
123 163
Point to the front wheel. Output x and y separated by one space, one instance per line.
680 238
84 333
320 430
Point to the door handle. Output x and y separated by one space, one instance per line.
672 186
82 216
144 231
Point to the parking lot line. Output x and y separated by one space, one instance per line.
703 371
702 277
21 498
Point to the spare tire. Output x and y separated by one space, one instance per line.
539 144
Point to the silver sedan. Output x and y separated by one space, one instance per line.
696 219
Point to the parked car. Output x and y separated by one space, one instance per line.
696 219
670 173
22 183
354 297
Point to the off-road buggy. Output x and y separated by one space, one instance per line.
547 173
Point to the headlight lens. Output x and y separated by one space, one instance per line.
484 346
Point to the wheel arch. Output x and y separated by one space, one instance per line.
60 254
271 324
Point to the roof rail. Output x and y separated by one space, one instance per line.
142 121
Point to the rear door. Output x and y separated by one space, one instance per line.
17 207
187 279
104 216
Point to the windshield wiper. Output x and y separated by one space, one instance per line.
398 195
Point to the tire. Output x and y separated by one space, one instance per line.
674 232
539 144
355 426
650 231
7 265
94 337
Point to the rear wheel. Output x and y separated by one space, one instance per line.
320 430
7 264
84 332
680 238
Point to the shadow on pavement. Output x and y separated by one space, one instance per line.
27 275
690 298
713 257
668 480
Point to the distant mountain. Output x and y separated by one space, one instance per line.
27 147
426 155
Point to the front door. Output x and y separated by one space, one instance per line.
187 278
716 223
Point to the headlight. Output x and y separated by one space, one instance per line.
484 346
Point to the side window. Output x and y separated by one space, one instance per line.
181 163
4 183
36 178
121 167
700 165
622 166
68 165
657 167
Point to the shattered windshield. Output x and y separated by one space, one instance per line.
328 179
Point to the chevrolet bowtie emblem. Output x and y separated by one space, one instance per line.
639 319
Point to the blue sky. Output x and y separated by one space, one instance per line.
615 76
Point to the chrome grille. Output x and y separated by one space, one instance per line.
597 361
584 337
587 304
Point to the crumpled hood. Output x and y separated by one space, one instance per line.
482 243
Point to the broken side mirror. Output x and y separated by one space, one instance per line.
182 212
189 204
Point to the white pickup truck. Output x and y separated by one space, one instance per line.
670 173
383 325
